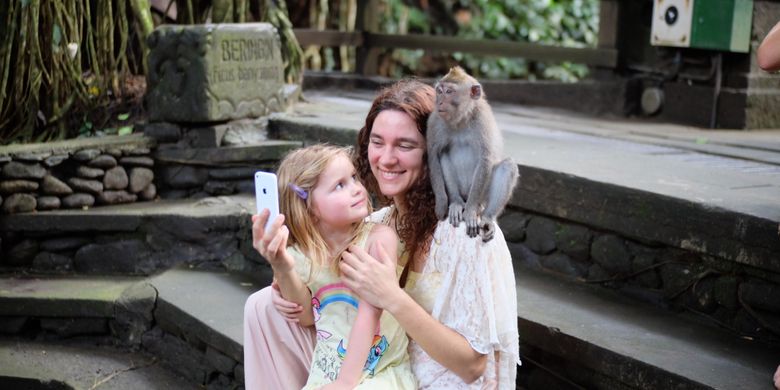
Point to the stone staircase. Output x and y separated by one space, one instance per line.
183 307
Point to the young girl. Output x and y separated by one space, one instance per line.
325 207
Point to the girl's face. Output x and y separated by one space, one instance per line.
395 153
339 199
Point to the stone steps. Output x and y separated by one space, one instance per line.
614 342
135 239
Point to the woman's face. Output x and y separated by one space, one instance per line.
395 153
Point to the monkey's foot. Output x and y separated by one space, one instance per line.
472 225
487 231
456 214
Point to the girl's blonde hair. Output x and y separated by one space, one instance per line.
302 168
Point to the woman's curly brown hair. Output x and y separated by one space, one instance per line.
415 229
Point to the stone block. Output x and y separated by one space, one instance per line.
104 161
149 193
611 253
219 187
540 235
134 313
140 179
19 203
55 160
89 172
54 186
206 73
78 200
761 295
21 254
14 186
82 185
204 137
116 197
47 261
63 244
86 154
118 257
18 170
48 203
32 157
561 263
115 179
182 176
574 241
513 225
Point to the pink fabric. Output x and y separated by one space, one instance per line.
277 353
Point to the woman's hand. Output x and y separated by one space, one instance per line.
289 310
272 244
372 279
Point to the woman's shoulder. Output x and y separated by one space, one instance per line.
381 216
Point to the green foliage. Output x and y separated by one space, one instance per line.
564 23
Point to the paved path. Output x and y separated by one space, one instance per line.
730 169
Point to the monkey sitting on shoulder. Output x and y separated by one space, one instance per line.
464 147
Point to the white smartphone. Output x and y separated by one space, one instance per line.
267 195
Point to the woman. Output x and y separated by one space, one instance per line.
457 297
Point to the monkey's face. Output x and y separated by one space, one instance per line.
396 152
448 99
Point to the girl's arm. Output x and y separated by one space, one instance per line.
369 277
272 245
361 336
769 50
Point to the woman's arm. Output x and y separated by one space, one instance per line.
272 245
368 276
361 336
769 51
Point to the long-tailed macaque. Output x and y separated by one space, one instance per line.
464 145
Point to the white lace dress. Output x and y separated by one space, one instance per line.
469 286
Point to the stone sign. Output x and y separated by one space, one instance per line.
214 72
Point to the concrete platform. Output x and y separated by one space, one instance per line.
636 178
28 364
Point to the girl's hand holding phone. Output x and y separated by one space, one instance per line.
271 243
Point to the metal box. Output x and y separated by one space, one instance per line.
722 25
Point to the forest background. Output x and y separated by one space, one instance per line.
76 68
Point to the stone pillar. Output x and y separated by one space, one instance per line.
214 72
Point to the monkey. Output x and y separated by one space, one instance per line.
464 144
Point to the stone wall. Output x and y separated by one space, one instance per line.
735 296
202 161
211 234
74 174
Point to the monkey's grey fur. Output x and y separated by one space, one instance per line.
464 147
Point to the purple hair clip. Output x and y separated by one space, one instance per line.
299 191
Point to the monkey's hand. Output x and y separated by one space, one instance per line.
456 213
472 222
487 230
